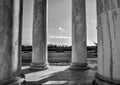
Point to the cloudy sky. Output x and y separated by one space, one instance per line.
59 22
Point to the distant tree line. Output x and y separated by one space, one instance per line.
26 48
92 48
59 48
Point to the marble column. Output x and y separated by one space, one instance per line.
39 53
10 67
108 23
79 51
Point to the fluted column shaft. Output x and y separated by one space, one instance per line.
79 51
10 34
108 24
39 54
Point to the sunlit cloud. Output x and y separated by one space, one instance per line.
60 28
60 40
90 42
60 37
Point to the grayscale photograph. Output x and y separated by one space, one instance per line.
59 42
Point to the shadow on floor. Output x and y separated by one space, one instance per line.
28 70
66 77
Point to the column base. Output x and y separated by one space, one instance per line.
101 80
20 80
79 66
39 66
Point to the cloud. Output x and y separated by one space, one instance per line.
60 28
90 42
60 40
60 37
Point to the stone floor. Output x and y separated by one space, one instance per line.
60 75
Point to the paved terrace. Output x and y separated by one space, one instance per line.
60 75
